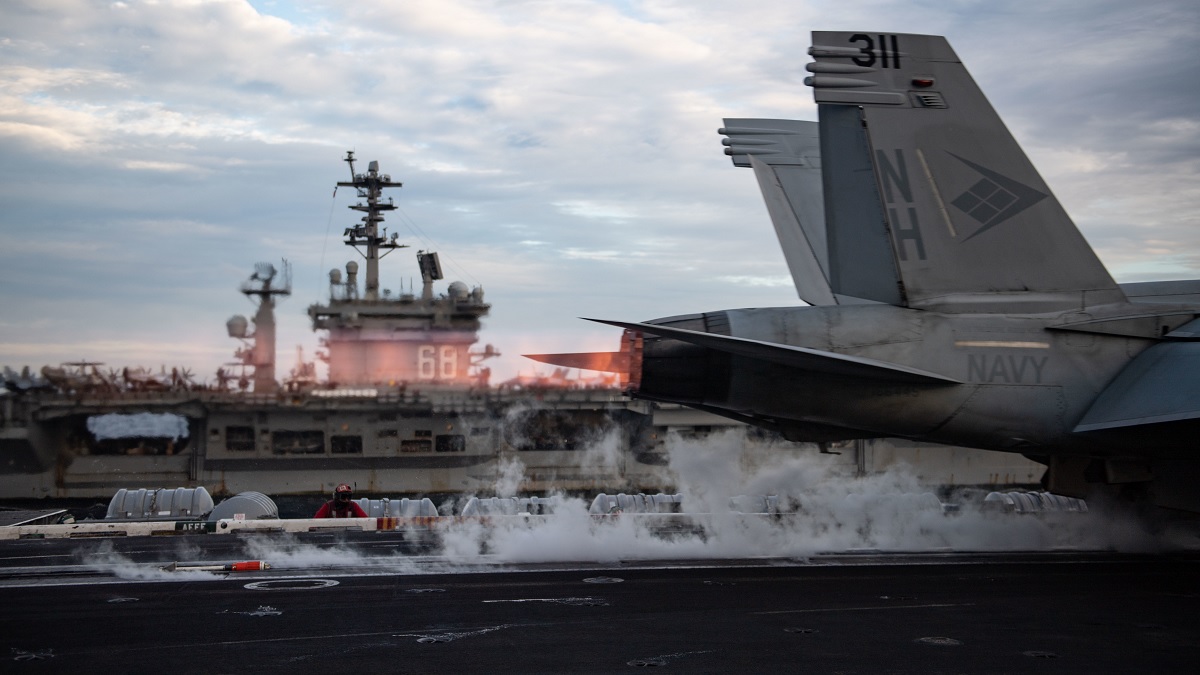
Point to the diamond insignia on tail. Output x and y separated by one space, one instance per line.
994 198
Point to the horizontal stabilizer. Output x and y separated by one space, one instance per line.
803 358
1173 324
1169 292
1161 385
608 362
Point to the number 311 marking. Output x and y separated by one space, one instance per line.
870 53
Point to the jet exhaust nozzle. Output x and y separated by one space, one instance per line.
626 363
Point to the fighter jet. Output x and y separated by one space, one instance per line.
955 300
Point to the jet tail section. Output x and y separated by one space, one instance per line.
929 200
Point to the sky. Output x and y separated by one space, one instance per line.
562 154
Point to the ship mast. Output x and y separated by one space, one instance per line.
370 187
381 338
262 288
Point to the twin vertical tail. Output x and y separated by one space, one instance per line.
909 191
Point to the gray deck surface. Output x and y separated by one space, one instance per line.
1059 612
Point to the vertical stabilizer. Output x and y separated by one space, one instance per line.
785 156
930 201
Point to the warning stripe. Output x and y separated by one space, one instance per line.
394 523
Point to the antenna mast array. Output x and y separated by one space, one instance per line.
262 287
370 187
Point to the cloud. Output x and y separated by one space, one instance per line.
153 151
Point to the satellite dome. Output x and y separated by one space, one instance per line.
237 326
458 290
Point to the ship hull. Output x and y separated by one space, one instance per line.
443 440
406 442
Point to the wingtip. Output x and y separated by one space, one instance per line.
611 322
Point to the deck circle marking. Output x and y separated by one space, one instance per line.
290 584
940 641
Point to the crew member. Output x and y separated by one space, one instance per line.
341 506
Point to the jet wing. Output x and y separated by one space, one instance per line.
1161 385
1188 331
803 358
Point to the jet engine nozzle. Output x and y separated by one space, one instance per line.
627 363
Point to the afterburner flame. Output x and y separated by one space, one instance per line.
626 363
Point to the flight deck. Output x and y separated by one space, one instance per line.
378 606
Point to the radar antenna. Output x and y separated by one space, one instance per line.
370 187
262 288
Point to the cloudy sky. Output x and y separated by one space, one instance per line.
561 153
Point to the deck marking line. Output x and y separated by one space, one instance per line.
865 609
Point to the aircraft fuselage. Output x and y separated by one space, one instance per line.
1022 386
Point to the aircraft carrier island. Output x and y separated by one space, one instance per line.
407 408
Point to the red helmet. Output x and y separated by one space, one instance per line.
343 492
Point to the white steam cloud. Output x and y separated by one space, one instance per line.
106 559
822 508
510 471
826 509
